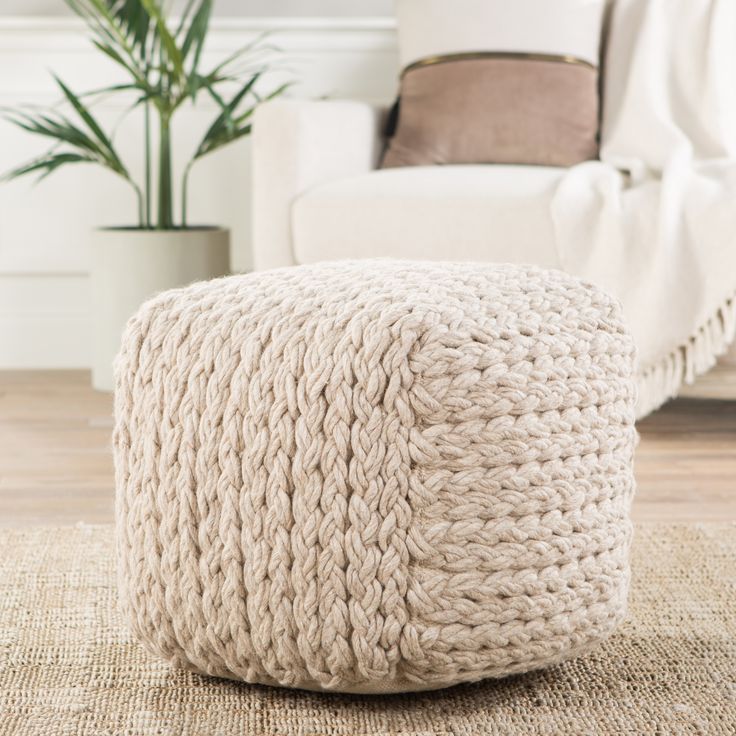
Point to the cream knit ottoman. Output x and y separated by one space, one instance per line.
375 476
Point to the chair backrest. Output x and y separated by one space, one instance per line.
429 28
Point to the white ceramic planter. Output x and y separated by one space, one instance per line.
129 266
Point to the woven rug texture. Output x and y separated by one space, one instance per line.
67 667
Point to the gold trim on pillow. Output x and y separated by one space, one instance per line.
473 55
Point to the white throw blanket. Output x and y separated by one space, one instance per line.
654 222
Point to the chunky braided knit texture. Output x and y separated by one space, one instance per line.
375 476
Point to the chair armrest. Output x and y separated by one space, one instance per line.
298 145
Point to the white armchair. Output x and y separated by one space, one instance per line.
297 147
318 195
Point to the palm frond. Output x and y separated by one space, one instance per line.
224 122
197 32
228 126
60 129
133 17
46 164
112 53
104 143
110 29
168 42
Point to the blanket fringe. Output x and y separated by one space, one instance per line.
663 381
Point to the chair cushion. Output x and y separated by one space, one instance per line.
464 213
375 476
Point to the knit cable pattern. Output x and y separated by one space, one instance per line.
375 476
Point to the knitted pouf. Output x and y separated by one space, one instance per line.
375 476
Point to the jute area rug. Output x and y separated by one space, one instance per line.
68 668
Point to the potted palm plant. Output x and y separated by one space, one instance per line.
161 60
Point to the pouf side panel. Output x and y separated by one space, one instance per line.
527 424
224 387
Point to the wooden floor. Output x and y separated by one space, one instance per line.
56 468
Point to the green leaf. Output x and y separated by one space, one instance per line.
61 130
195 39
46 164
133 17
224 121
167 40
216 96
228 127
101 91
224 139
93 125
112 53
111 29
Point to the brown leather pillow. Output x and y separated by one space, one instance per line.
496 108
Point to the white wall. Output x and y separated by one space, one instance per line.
234 8
47 231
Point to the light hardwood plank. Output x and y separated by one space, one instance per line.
55 457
